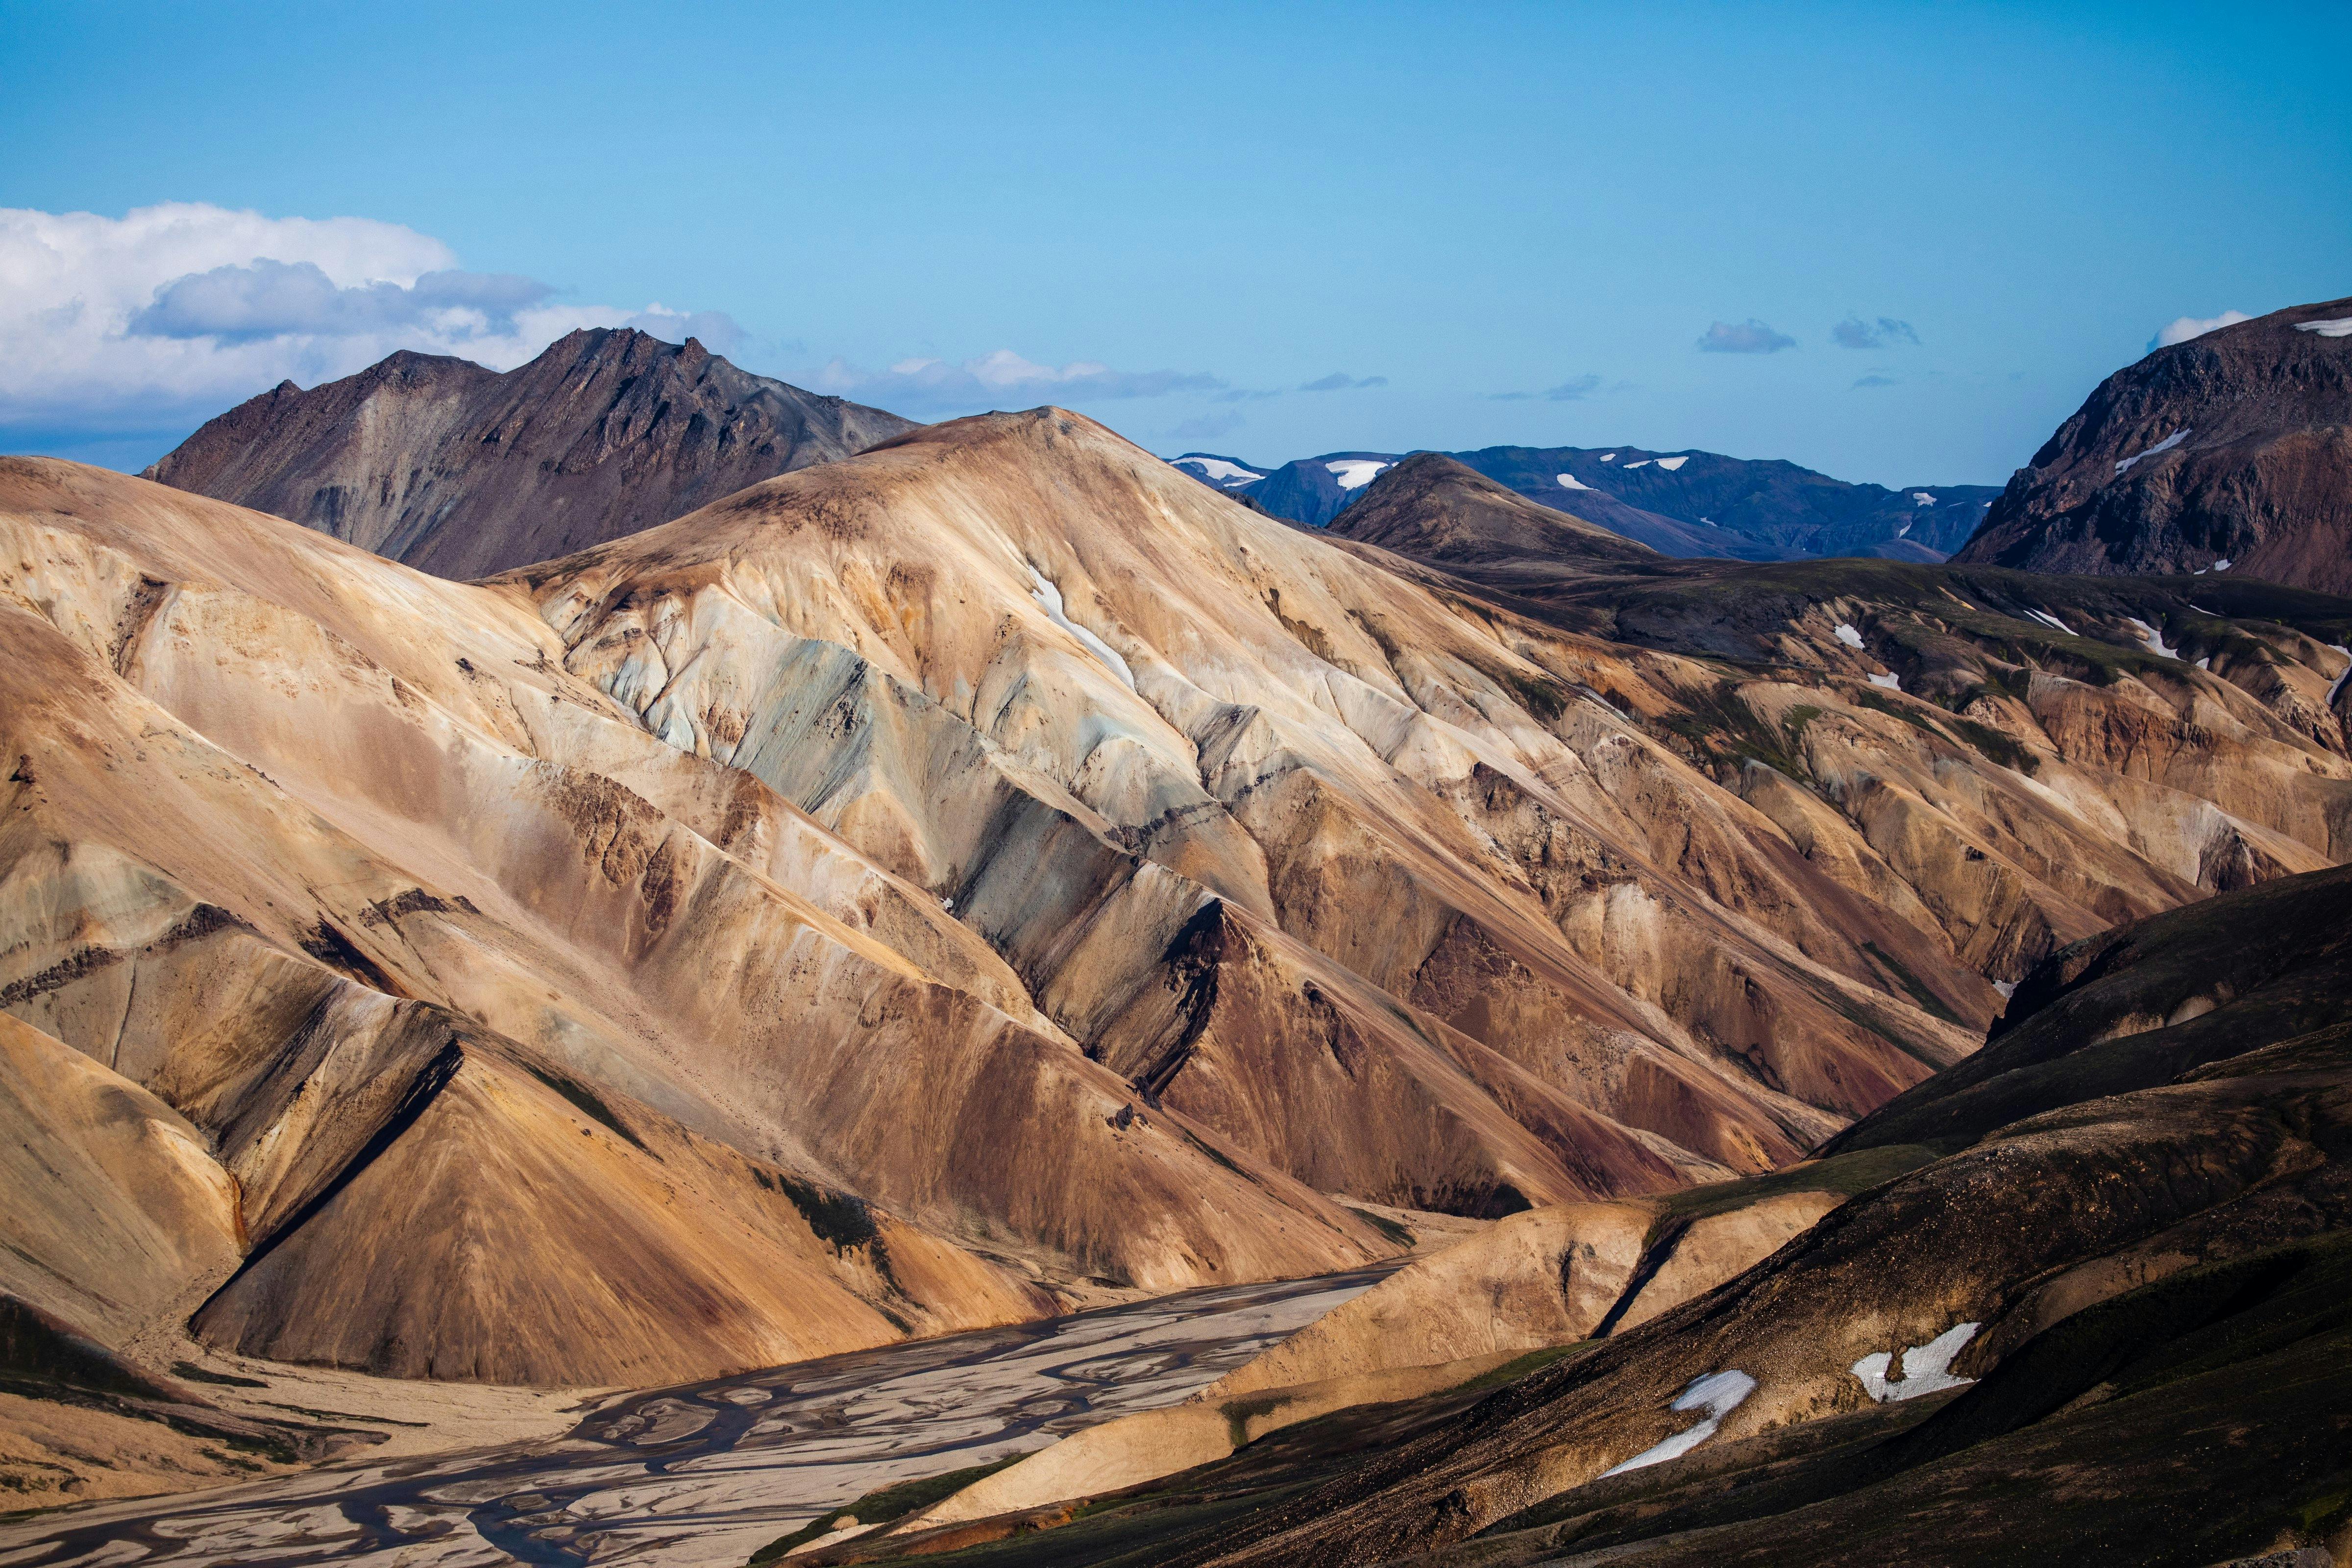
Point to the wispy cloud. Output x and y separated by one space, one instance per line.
153 321
1748 337
1854 333
996 380
1574 390
1208 426
1339 381
2186 327
1875 379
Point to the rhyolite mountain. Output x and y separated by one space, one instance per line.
2231 452
947 884
461 471
1688 503
2084 1302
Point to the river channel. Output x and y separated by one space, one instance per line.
708 1473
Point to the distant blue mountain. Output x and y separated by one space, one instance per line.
1686 503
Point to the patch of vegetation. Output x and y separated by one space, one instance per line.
584 1101
839 1219
1718 726
1849 1173
1927 1000
1212 1151
1544 698
2011 681
1385 1225
1870 698
1534 1360
194 1374
1994 746
886 1506
1238 1411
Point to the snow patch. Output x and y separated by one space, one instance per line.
2341 327
1904 529
1567 483
1923 1369
2167 445
1220 471
2204 664
2153 643
1719 1393
1355 473
1921 498
2008 988
1671 464
1848 635
1891 682
1049 599
1642 464
1607 457
2223 564
2047 619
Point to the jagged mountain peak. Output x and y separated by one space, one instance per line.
462 470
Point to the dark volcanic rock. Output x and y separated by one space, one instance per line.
2231 451
461 471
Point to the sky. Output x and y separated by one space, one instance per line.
1892 242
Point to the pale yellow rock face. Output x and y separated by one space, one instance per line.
115 1202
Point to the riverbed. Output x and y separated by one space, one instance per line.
708 1473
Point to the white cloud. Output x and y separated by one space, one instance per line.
999 380
2186 327
169 314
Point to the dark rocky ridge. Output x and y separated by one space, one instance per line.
462 471
2259 476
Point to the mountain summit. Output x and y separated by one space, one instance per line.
459 471
2231 451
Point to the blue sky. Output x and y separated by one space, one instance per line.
1177 219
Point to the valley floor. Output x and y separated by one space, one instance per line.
710 1472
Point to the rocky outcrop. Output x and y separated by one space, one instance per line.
2229 453
461 471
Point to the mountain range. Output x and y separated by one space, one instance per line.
820 881
1686 503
